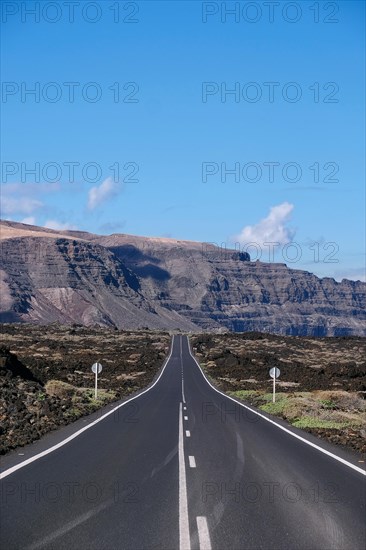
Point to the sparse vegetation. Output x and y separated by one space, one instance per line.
309 411
311 422
274 408
322 387
46 380
328 404
244 394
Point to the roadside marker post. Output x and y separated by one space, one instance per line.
274 373
97 369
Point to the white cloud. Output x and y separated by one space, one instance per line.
24 199
19 205
54 224
31 220
272 229
105 191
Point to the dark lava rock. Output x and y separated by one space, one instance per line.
10 363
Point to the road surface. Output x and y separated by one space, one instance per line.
182 467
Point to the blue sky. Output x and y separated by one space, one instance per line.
173 131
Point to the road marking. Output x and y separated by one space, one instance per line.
188 433
185 408
328 453
203 533
184 538
76 434
186 418
181 362
183 396
192 461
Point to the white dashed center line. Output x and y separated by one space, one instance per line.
203 534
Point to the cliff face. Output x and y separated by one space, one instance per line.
62 280
276 299
131 282
216 288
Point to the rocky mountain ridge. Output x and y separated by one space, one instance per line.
133 282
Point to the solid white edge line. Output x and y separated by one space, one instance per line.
76 434
184 537
192 461
310 443
203 533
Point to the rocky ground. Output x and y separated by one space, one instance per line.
322 386
46 379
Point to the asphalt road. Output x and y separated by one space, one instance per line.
182 467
